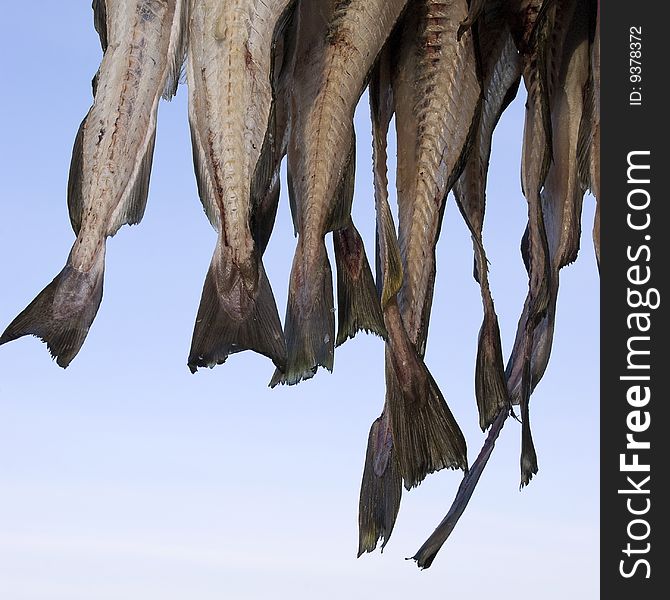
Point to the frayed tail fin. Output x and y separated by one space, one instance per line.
235 315
62 313
381 488
425 434
310 322
357 299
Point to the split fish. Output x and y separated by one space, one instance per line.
236 152
437 99
429 80
143 43
501 72
561 208
321 161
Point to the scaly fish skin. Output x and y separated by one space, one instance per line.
111 162
437 96
231 115
501 71
344 38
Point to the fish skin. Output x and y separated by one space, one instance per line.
543 59
111 164
319 160
563 189
233 130
437 97
425 436
381 486
501 66
436 90
561 200
381 489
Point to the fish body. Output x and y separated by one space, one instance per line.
544 65
109 174
234 136
437 98
343 39
501 66
416 78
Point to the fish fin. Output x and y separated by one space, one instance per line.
75 197
177 50
264 215
265 187
62 313
389 255
381 489
425 434
585 137
292 201
342 207
389 267
358 305
135 202
490 385
528 460
100 21
202 177
310 319
232 318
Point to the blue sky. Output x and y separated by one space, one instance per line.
127 477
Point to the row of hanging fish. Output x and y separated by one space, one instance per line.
273 79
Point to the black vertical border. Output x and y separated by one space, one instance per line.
626 128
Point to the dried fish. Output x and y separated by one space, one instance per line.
501 71
143 44
437 99
234 136
329 81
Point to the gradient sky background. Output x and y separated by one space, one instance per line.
127 477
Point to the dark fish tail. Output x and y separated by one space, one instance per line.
381 488
62 313
310 319
425 434
528 459
357 300
237 312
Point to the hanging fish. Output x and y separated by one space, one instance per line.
381 486
501 72
561 211
235 152
321 164
143 43
437 99
433 88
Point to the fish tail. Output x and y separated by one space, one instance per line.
528 459
490 384
358 306
310 322
381 488
62 313
426 436
596 233
237 312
